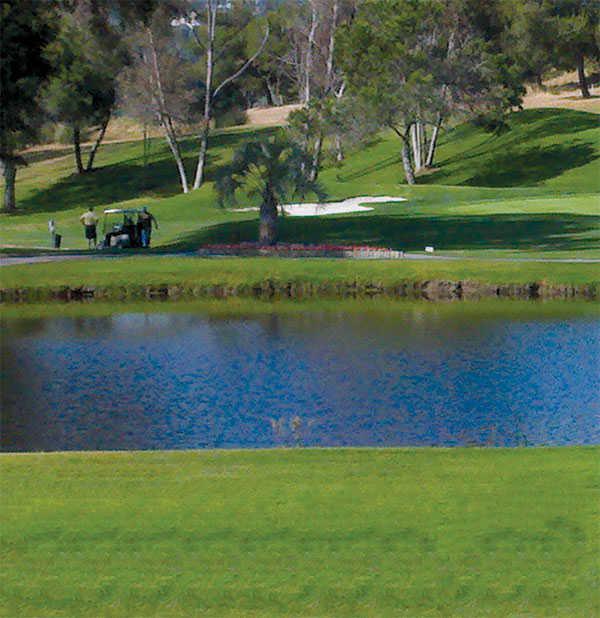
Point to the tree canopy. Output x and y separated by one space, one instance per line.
274 169
27 27
353 67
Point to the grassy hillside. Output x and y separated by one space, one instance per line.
534 188
394 532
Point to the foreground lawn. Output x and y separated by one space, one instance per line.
397 532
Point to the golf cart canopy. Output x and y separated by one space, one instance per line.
122 211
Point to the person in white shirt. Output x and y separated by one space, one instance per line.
52 230
90 221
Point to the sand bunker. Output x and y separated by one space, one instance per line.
352 204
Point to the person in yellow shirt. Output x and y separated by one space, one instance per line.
89 221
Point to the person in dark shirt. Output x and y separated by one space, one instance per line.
145 221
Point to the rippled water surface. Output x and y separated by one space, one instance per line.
413 376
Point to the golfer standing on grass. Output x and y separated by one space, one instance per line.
52 230
145 220
89 221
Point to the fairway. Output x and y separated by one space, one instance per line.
355 532
531 191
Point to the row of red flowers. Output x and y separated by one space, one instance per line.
290 247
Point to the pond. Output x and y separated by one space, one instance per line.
414 374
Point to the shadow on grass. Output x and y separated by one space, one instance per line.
130 179
369 169
511 159
540 123
48 154
524 127
507 231
516 169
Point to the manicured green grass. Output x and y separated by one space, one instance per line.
533 190
396 532
555 227
235 272
554 149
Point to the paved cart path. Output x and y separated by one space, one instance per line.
9 260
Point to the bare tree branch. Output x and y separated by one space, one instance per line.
246 64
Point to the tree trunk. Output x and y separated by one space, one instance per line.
583 85
211 23
339 149
179 163
331 47
210 92
174 146
10 175
146 150
271 92
308 58
163 115
539 80
267 234
433 143
199 179
97 143
316 157
77 146
407 163
415 135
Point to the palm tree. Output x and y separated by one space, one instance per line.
274 169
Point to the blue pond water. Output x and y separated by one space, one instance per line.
413 377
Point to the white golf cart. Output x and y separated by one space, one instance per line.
120 228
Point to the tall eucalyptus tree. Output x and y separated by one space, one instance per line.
154 84
209 28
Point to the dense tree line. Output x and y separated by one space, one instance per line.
354 66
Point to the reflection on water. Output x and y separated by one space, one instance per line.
150 381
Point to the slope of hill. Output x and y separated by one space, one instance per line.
532 188
556 149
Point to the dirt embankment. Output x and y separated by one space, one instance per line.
261 116
563 92
432 290
123 129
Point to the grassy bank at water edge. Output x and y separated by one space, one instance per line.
189 276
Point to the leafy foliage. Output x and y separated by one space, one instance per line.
27 27
82 89
274 164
